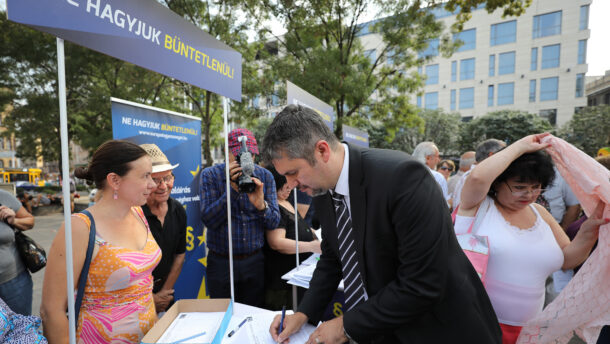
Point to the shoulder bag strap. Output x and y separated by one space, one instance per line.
82 280
483 208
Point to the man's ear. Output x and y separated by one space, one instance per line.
323 150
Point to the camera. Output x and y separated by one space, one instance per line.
246 161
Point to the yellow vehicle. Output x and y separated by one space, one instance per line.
30 175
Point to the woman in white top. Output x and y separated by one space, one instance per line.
526 243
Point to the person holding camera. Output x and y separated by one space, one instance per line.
254 210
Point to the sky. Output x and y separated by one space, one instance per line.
598 49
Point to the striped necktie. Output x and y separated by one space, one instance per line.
352 280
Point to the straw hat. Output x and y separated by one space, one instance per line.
160 163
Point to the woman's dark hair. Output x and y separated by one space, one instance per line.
535 167
280 180
111 156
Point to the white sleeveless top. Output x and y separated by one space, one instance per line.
520 260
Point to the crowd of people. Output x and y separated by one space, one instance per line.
387 232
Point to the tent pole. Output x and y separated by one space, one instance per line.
225 107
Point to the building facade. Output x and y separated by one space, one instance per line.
535 62
598 90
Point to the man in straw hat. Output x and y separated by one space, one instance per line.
251 214
167 220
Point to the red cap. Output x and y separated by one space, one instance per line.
234 144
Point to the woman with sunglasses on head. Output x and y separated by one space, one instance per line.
526 244
446 167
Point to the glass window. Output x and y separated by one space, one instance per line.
490 95
390 57
467 69
506 93
582 51
492 65
275 100
371 55
550 56
431 50
548 88
580 84
255 101
431 101
584 17
506 63
534 59
432 74
532 91
469 39
503 33
453 96
418 101
453 71
550 115
467 98
547 25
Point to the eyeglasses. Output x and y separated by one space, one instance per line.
521 193
167 179
447 168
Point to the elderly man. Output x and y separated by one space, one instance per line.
385 232
167 221
251 215
466 161
427 153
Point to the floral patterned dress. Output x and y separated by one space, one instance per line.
118 304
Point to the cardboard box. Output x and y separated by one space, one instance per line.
198 305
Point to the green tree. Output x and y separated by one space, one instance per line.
505 125
321 51
589 129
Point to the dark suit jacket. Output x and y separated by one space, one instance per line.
421 286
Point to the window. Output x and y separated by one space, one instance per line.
550 115
550 56
431 101
255 102
466 119
275 100
506 63
534 59
548 88
453 96
503 33
453 71
580 84
584 17
582 51
431 50
506 93
371 55
492 65
467 69
468 37
490 95
418 101
467 98
432 74
532 91
547 25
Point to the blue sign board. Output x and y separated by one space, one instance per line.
355 136
142 32
179 137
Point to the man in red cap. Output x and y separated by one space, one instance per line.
251 214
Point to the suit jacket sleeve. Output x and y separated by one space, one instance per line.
420 221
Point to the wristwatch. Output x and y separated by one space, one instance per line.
351 341
265 208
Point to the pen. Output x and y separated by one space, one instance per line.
239 326
282 320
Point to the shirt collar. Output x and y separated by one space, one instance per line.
342 186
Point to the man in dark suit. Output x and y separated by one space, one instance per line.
387 232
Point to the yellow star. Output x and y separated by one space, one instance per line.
194 173
203 261
201 239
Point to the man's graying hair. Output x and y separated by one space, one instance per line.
486 147
294 133
424 149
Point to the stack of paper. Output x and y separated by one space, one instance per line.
301 275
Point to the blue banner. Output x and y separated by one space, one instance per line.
298 96
355 136
179 137
142 32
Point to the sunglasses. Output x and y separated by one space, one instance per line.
447 168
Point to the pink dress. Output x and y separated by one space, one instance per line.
118 305
584 304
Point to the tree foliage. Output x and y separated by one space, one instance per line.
505 125
589 129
